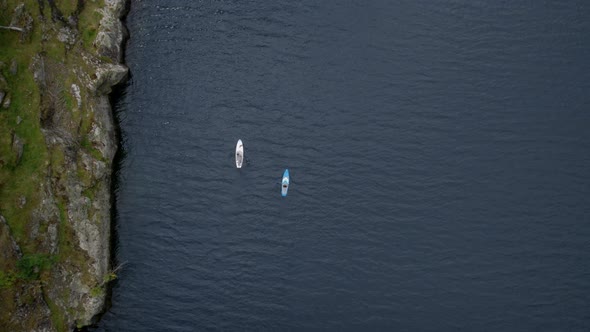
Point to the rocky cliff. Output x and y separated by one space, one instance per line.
58 63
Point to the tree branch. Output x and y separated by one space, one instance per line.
12 28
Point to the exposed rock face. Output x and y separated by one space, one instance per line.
89 215
109 40
68 227
106 74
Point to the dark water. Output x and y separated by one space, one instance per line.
439 154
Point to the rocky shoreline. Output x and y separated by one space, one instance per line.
58 143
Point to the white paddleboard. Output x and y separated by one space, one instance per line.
239 154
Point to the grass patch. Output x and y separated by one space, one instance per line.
89 21
89 192
94 152
96 291
88 37
57 158
55 50
56 317
67 7
86 124
20 179
66 246
28 268
109 277
7 279
68 100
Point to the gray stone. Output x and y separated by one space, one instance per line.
22 200
17 147
18 119
75 89
19 11
38 67
67 36
46 213
52 232
3 83
13 249
13 67
6 103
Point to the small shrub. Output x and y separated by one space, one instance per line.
109 277
30 266
96 291
6 279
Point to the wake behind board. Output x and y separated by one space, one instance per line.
239 154
285 183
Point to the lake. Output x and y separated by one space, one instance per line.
439 155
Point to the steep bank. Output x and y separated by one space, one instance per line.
57 144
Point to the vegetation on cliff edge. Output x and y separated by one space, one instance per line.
26 159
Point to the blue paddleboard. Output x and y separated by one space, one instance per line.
285 183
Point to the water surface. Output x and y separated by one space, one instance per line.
439 155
